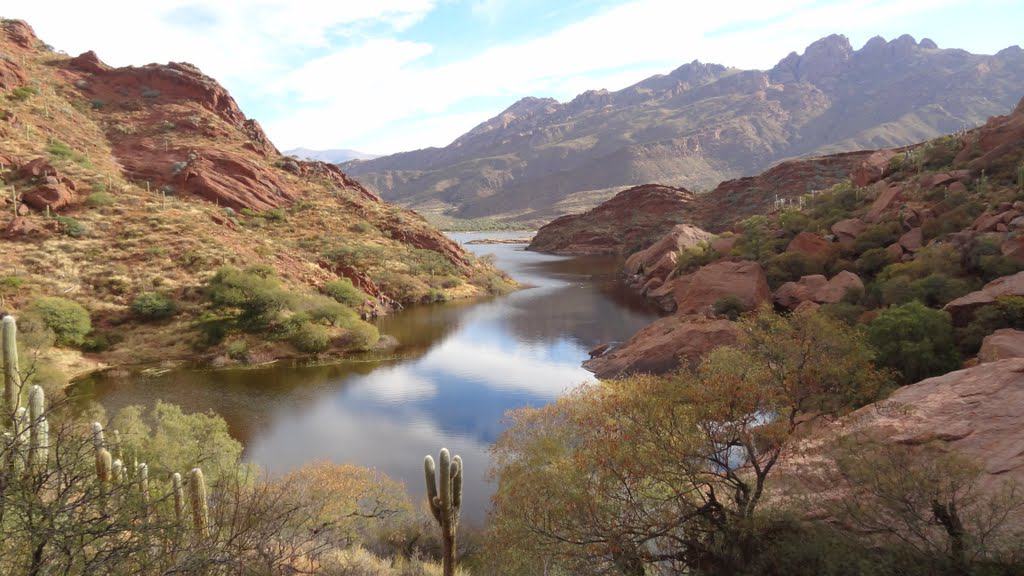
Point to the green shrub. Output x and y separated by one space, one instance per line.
756 242
361 227
310 338
794 222
936 290
67 319
914 340
254 294
345 292
153 306
360 335
847 312
11 284
99 199
877 236
72 227
985 259
872 261
237 350
693 257
1007 312
59 149
789 266
729 306
22 93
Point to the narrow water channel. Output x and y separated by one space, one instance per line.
459 368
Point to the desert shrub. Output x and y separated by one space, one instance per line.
254 294
309 337
1007 312
877 236
846 312
939 153
756 242
985 259
729 306
693 257
345 292
237 349
11 284
67 319
835 204
72 227
22 93
914 340
936 290
99 199
360 256
153 306
872 261
794 222
360 335
402 287
59 149
791 266
423 262
361 227
960 214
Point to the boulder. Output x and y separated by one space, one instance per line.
1002 344
792 294
837 287
846 231
912 240
1014 248
895 251
811 245
873 168
888 194
723 244
974 412
52 196
962 309
699 291
664 346
21 228
679 237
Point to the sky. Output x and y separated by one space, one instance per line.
384 76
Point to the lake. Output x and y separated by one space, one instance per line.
458 369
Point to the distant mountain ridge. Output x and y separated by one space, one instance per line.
333 156
699 125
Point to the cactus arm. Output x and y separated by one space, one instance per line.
179 499
457 486
445 478
12 376
200 510
430 471
36 407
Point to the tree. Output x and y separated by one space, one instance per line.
671 472
915 340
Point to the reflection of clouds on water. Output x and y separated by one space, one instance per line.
464 366
340 432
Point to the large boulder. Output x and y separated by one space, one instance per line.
888 194
846 231
664 346
792 294
679 237
873 168
837 287
811 245
1002 344
962 309
974 413
699 291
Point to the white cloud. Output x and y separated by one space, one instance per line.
340 74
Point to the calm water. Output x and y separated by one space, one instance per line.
459 368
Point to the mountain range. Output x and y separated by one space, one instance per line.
333 156
697 126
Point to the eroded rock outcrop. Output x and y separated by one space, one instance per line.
633 219
699 291
962 309
1001 344
681 236
664 346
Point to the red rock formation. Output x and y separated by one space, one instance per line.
792 294
681 236
999 137
235 181
873 168
887 195
699 291
663 346
1002 344
837 288
811 245
633 219
962 309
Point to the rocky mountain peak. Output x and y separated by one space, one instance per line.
821 59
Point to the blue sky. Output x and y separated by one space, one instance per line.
383 76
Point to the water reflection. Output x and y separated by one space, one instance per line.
460 368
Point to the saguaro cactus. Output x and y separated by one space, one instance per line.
97 436
143 477
179 499
200 511
444 493
104 470
38 428
12 376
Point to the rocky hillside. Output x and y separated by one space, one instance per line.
145 196
928 239
636 217
699 125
